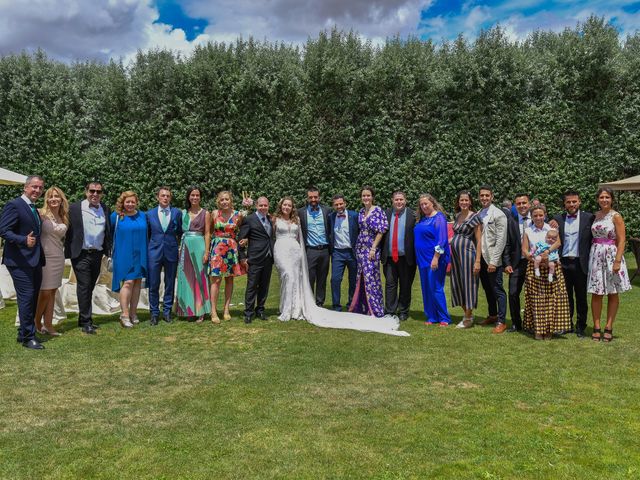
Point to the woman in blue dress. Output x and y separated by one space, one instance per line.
129 255
432 255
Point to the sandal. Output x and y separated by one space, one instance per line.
596 332
608 335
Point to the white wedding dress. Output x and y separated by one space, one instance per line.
296 298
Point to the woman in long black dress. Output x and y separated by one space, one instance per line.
465 264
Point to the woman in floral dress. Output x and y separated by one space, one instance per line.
373 223
223 257
607 269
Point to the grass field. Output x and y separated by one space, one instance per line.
289 400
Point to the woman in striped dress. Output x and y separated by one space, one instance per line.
465 265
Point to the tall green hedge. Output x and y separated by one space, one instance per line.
557 110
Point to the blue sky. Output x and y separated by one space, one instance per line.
103 29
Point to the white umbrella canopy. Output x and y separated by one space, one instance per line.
7 177
629 184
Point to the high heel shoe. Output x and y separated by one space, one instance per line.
214 318
52 333
134 319
125 322
200 319
226 316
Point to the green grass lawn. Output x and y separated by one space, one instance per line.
289 400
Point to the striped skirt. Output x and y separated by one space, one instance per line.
464 284
546 304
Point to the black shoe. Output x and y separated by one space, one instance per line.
513 329
262 316
403 317
154 320
579 333
247 319
95 326
88 329
33 345
167 318
19 339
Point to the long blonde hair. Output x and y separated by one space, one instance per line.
432 199
120 202
63 211
293 216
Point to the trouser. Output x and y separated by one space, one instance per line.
341 258
26 281
433 297
318 262
516 281
576 281
398 276
493 289
87 269
258 278
155 267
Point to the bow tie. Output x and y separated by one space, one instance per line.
575 215
96 207
342 215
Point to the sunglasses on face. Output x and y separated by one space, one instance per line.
91 190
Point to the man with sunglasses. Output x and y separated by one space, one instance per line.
87 240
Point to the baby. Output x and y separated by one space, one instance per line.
540 248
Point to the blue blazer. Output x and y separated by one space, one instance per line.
164 244
354 229
16 222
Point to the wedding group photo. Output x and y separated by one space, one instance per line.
378 251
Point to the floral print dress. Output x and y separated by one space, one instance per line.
602 280
367 298
223 255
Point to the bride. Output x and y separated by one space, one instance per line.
296 297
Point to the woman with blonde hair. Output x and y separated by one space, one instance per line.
55 222
432 255
223 254
129 255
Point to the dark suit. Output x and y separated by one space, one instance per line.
163 254
317 256
343 257
512 257
576 269
24 263
86 263
260 257
399 275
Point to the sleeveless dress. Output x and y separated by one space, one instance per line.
287 255
367 298
129 248
192 294
464 284
602 280
223 258
52 238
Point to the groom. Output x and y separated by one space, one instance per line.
257 229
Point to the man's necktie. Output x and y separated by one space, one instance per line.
394 240
36 216
165 218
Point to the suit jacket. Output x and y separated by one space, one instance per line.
260 243
584 236
75 234
164 245
354 228
512 254
302 213
494 236
16 222
409 251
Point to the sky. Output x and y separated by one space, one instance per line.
78 30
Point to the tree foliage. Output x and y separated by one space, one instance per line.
556 111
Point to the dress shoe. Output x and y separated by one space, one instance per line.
95 326
403 317
490 320
247 319
580 333
514 329
167 318
33 345
154 320
88 329
500 328
263 316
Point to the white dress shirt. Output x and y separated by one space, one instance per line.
94 224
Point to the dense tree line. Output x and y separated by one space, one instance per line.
557 110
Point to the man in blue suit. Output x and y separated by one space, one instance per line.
20 227
165 229
344 225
